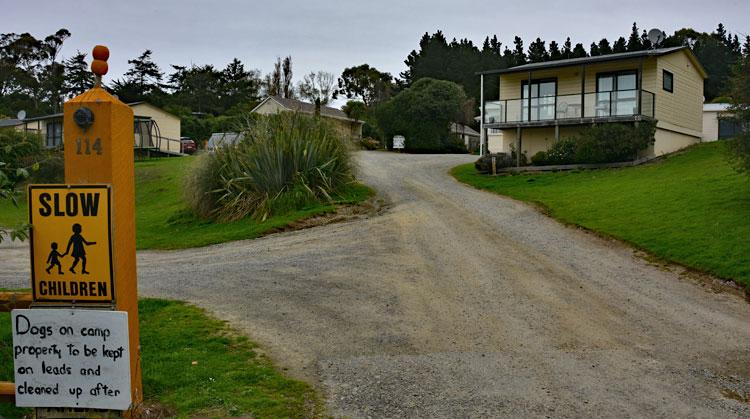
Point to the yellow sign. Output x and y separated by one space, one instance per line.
71 244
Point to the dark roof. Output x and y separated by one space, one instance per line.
10 122
304 107
463 129
41 118
597 59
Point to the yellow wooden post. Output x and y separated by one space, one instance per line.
100 150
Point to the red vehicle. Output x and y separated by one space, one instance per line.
187 146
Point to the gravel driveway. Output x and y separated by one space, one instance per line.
460 303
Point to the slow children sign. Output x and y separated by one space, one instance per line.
71 250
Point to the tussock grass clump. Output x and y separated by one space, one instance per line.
285 162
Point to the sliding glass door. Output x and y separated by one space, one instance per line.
617 94
543 95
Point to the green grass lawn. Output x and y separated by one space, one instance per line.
163 221
692 208
229 378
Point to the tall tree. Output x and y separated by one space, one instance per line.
142 80
519 56
238 85
554 51
634 41
279 81
366 83
317 87
538 51
620 45
594 50
567 49
198 88
287 87
604 47
78 78
579 51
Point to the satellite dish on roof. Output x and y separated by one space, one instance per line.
21 115
656 36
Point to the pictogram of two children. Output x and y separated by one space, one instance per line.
77 242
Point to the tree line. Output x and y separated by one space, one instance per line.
458 61
35 78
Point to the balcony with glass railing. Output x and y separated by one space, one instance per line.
570 108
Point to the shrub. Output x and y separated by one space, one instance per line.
24 156
285 162
502 160
562 152
539 159
51 169
609 143
369 143
605 143
739 152
422 113
455 144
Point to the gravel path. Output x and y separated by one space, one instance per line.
460 303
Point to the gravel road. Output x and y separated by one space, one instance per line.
459 303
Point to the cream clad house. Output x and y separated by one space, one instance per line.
347 127
543 102
155 130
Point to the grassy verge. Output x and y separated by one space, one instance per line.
691 208
163 221
228 379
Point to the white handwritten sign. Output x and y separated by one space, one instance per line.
71 358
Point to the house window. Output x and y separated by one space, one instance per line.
543 94
668 81
617 93
53 138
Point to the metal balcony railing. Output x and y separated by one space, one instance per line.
575 106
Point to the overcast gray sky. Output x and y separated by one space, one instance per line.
332 35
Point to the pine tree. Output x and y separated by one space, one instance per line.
567 50
594 50
554 51
579 51
604 47
538 51
496 45
746 46
634 41
721 33
144 74
519 57
620 45
78 78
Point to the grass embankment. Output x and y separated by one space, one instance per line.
163 221
692 208
227 379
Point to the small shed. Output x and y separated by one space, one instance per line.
718 123
468 135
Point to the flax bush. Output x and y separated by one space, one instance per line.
285 162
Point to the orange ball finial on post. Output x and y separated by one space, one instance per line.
99 64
